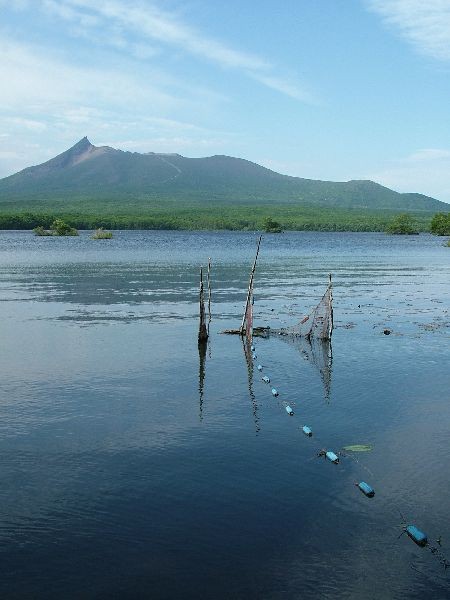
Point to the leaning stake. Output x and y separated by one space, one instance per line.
248 303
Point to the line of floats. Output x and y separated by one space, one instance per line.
417 535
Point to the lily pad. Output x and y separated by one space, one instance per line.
359 448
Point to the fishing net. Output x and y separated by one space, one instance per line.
318 354
319 323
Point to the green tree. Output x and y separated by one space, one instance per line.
271 226
60 227
440 224
402 224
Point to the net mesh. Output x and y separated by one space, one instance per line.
318 354
319 323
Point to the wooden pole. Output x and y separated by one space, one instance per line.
250 285
202 330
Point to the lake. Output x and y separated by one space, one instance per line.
133 466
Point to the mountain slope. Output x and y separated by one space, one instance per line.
103 173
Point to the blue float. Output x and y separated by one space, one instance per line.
274 392
289 410
254 356
307 430
366 489
417 536
266 379
253 348
259 367
332 457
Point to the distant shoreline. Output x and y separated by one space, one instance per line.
223 218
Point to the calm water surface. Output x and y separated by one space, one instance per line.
132 467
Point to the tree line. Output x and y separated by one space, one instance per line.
232 218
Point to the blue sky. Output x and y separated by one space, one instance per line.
323 89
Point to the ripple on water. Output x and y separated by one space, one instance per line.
179 468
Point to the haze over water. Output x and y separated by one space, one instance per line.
133 467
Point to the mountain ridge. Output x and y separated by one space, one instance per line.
102 172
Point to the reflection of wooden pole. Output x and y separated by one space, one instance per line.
330 331
250 285
201 375
202 330
209 289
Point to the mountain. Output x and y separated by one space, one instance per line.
102 173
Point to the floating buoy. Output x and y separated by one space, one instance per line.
254 356
252 348
332 457
259 367
274 392
417 536
307 431
289 410
366 489
266 379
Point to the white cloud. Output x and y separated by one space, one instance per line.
112 20
424 23
30 124
18 5
165 28
284 86
57 92
49 84
69 14
426 171
49 95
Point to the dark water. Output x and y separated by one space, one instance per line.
130 467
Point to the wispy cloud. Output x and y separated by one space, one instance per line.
425 171
130 74
424 23
285 86
167 29
35 78
113 20
48 94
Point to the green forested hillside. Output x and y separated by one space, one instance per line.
129 189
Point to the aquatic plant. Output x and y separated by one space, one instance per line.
41 231
101 234
58 227
358 448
